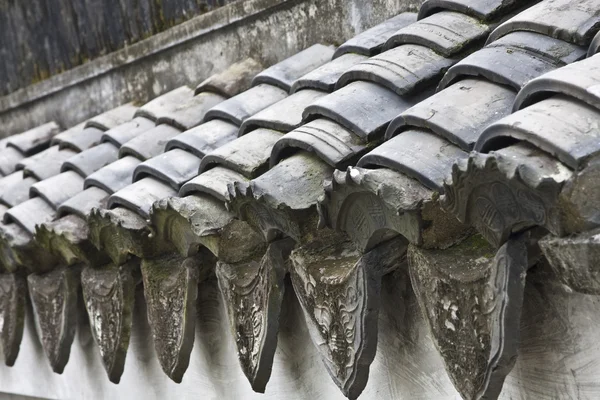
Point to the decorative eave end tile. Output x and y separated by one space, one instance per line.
338 289
171 289
13 297
518 186
108 293
472 300
54 298
253 292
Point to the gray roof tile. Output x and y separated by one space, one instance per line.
91 160
484 10
402 69
204 138
247 155
82 203
57 189
574 21
579 80
515 59
334 144
561 126
139 196
175 167
127 131
325 77
284 73
364 108
149 143
283 116
114 176
371 41
237 109
34 140
165 104
446 32
455 112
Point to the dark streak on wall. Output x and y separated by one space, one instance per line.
41 38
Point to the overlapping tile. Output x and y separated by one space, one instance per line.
238 205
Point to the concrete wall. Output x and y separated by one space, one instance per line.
40 38
188 53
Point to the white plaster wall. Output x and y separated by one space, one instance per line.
559 357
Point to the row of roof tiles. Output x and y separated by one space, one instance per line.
220 141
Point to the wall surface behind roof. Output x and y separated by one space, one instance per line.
40 38
558 355
187 53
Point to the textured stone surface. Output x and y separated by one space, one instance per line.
574 260
282 200
119 233
76 32
67 238
376 208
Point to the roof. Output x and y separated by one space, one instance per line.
411 141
